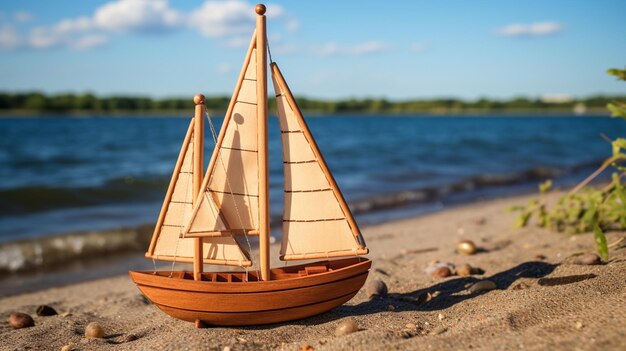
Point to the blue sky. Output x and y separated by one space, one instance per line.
326 49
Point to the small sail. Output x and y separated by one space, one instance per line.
177 209
231 180
316 220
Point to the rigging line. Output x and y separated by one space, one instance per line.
230 190
269 52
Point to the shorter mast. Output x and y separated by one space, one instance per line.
198 165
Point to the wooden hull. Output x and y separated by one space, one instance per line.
295 292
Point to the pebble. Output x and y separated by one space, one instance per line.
483 285
521 286
226 348
464 270
431 268
94 330
441 317
66 348
45 310
411 326
589 259
66 314
376 287
306 347
579 325
466 247
346 327
19 320
540 257
441 272
391 308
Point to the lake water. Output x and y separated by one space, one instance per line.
60 175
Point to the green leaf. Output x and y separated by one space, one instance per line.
547 185
522 220
616 111
601 244
618 144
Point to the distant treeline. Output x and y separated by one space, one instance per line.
35 102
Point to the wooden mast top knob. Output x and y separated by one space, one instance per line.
260 9
198 99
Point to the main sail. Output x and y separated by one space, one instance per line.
166 243
231 181
317 222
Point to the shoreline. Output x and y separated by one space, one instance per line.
542 299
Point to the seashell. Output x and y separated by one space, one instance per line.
483 285
430 270
19 320
45 310
441 272
464 270
346 327
94 330
466 247
375 287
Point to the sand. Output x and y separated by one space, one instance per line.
542 301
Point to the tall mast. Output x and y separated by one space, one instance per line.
261 72
198 165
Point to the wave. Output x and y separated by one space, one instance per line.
432 194
43 198
50 252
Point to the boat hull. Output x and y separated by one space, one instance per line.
230 299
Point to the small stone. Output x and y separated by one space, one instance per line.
438 330
375 287
346 327
226 348
94 330
483 285
412 326
540 257
466 247
434 266
306 347
589 259
391 308
441 317
441 272
66 314
45 310
67 348
579 325
464 270
19 320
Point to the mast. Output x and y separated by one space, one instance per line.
198 165
261 72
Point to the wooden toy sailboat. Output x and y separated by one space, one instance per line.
205 218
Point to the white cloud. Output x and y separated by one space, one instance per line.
137 16
23 16
9 38
232 22
418 47
532 29
370 47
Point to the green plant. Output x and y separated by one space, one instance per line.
584 208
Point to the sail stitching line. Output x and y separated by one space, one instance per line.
307 191
214 135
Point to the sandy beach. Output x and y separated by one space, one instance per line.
543 299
